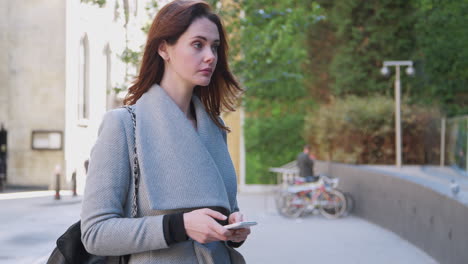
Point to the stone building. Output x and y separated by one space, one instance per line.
32 93
60 65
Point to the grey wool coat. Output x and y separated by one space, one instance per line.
181 169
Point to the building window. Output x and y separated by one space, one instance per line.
109 92
83 81
135 7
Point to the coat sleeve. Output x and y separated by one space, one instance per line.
104 228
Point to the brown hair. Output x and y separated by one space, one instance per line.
168 25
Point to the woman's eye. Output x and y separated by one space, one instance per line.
197 45
215 47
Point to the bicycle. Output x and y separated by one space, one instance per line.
305 198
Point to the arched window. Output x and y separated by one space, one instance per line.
109 92
83 80
135 7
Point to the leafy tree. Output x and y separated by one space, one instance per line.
442 50
348 46
368 33
271 65
100 3
321 48
353 39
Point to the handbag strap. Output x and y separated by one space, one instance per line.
136 167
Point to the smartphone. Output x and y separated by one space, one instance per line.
239 225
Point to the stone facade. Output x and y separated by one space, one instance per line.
40 76
32 94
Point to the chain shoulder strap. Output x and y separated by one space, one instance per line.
136 167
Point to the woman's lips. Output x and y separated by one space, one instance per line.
207 71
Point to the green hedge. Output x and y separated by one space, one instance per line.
361 130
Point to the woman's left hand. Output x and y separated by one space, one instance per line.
238 235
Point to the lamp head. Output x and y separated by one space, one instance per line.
385 71
410 70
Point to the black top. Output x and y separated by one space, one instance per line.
305 164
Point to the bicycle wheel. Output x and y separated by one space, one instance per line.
289 204
349 203
280 200
332 204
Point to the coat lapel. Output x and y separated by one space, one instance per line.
180 167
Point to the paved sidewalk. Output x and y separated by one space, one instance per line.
30 226
31 222
315 239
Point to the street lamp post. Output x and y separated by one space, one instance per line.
386 71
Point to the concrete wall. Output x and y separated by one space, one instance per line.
32 97
434 222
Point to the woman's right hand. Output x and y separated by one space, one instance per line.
201 226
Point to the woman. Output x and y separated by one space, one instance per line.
187 189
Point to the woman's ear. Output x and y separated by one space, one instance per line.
162 51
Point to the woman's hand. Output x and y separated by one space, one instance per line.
238 235
201 227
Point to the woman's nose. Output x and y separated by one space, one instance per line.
210 55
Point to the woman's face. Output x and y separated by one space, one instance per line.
192 59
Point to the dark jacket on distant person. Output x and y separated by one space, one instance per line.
305 164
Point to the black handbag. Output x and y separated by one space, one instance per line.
70 249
